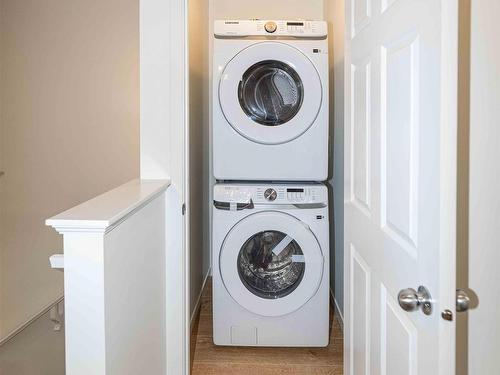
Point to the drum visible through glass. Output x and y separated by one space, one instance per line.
271 93
267 264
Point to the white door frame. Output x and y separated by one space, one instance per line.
449 162
165 153
482 257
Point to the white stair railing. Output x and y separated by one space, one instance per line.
114 278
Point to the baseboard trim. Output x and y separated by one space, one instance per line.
197 307
337 314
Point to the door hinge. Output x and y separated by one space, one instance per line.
184 209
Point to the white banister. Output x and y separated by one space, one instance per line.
114 281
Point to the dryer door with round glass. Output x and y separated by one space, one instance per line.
271 263
270 93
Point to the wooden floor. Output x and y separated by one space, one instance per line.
208 359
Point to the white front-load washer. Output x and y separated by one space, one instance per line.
270 100
271 265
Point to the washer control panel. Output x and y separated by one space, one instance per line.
271 194
290 28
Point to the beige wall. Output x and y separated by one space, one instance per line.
69 108
463 179
265 9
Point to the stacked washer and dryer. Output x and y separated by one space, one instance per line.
270 157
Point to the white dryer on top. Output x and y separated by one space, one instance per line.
270 100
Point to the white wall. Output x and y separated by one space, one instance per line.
69 119
164 115
164 152
335 15
135 293
163 94
484 222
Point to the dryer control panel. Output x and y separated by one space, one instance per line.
271 193
283 28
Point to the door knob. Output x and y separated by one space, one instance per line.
412 300
463 300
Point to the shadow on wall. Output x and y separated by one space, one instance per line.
334 14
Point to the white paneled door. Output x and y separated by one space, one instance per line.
400 189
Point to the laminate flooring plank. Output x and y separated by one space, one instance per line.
258 369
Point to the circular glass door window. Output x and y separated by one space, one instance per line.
271 93
271 264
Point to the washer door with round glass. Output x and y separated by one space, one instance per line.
271 263
270 93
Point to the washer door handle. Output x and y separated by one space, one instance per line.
239 206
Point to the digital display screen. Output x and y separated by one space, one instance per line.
295 23
295 190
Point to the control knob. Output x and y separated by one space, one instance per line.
271 27
270 195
